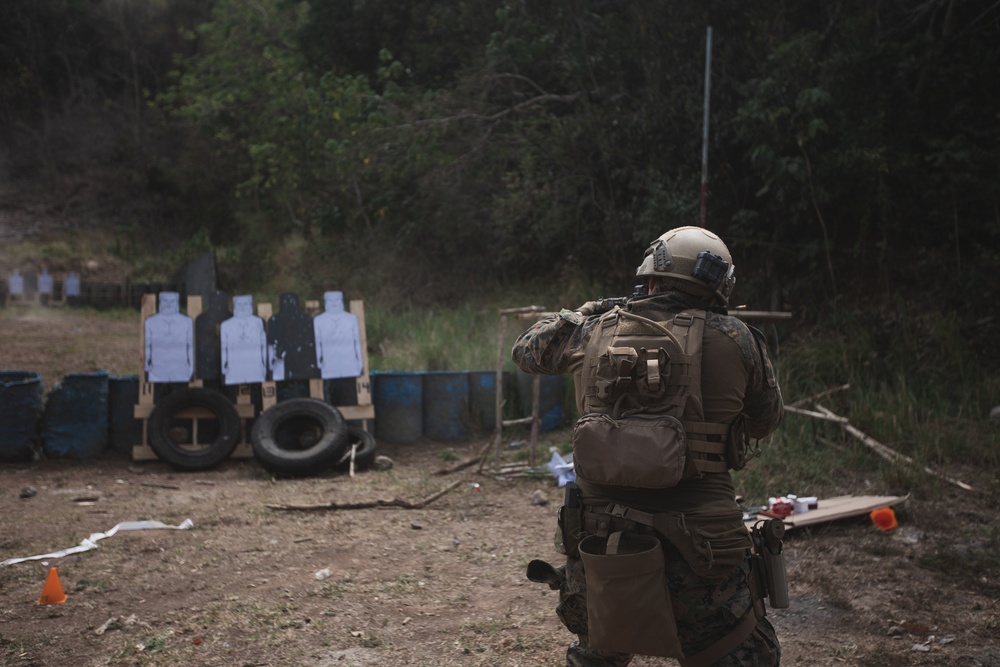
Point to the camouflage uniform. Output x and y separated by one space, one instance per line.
737 380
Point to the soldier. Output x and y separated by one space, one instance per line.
671 389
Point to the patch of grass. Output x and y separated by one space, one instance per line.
371 640
402 584
489 625
21 646
98 585
447 455
154 644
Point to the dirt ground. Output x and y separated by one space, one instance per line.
253 585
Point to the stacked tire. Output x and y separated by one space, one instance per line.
306 436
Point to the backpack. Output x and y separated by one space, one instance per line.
643 423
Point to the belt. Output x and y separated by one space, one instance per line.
602 519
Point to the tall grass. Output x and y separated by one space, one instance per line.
914 385
463 337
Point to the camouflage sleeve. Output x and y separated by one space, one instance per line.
553 345
762 403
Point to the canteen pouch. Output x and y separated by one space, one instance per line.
628 602
642 451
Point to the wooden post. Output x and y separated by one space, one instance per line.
193 311
526 312
268 389
315 384
145 406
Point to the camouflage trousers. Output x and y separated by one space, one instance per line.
705 613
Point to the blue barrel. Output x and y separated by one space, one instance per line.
483 399
446 405
75 420
551 394
124 430
398 399
21 407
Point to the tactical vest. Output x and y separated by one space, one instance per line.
633 364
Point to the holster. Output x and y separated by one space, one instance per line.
570 530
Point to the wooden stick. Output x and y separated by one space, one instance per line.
815 415
172 487
462 465
890 454
395 502
823 394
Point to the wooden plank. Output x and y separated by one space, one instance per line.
316 388
144 452
815 415
354 412
839 507
761 314
357 308
530 314
803 402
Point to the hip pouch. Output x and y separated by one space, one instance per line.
628 602
643 451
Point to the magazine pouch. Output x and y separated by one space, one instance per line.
628 602
641 450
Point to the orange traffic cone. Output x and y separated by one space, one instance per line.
53 592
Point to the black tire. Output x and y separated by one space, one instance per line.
364 456
299 436
195 441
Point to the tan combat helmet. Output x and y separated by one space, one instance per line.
692 260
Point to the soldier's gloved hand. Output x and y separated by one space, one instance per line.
588 309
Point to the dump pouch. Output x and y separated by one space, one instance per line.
644 451
628 602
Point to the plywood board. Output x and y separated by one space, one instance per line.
839 507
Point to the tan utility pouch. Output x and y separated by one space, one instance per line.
628 602
644 451
712 545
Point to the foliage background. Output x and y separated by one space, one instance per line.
435 154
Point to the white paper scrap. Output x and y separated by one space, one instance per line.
563 471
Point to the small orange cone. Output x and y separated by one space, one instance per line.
53 592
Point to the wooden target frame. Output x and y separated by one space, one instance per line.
363 410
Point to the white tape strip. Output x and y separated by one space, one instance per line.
91 542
